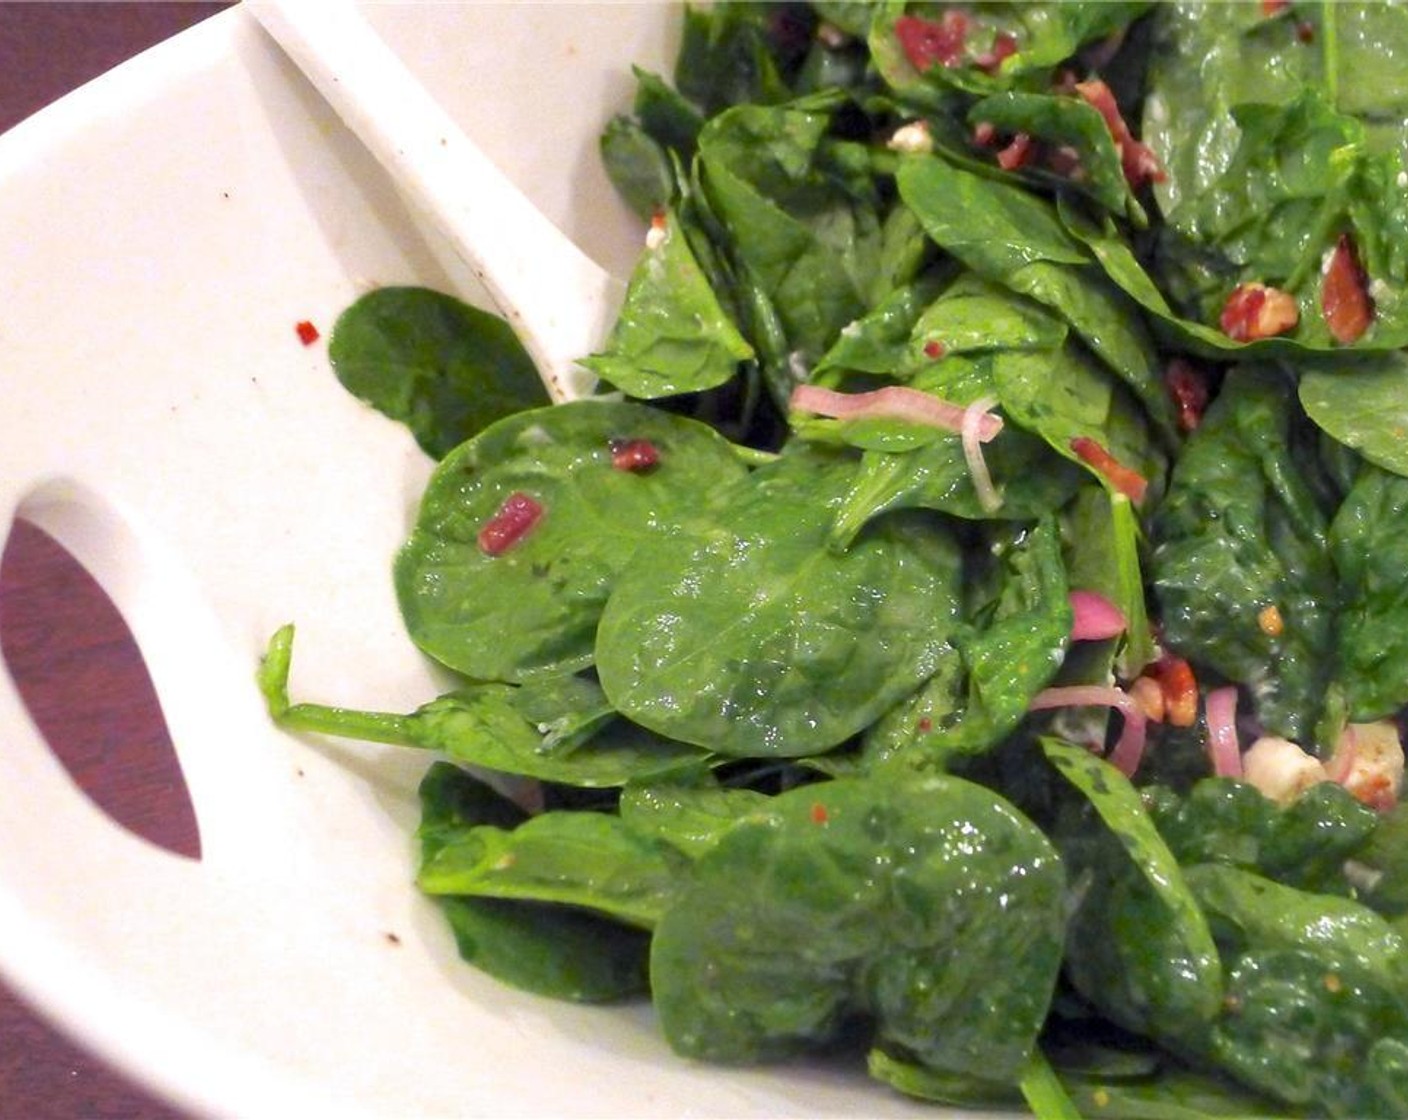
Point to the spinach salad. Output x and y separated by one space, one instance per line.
967 633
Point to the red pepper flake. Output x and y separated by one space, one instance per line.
928 42
819 813
516 517
1344 294
307 332
925 725
1188 389
934 349
1138 160
1256 311
1180 688
1127 481
1017 154
634 455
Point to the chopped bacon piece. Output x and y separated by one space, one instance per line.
1016 154
1138 160
1188 389
935 349
1255 311
1344 294
1004 45
511 524
1126 480
928 42
635 455
307 332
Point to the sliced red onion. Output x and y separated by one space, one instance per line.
970 429
1224 750
1094 617
1129 747
1346 753
894 402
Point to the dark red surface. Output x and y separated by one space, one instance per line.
66 647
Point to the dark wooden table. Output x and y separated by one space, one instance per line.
66 647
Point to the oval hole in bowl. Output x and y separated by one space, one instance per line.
84 682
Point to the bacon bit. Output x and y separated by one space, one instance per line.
1138 160
515 518
1224 750
819 813
935 349
1179 686
1127 481
1271 8
1017 154
1004 45
1149 695
1255 311
984 134
1270 622
925 725
635 455
307 332
1344 294
1305 31
929 42
1188 388
894 402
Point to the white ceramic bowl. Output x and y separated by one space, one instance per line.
165 228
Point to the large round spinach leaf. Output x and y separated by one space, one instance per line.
532 609
748 634
930 905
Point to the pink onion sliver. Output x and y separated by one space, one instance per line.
894 402
1094 617
1342 761
1129 747
971 432
1224 750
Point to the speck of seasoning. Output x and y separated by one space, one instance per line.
1333 983
925 725
307 332
1232 1005
1270 622
1101 1098
393 938
819 813
934 349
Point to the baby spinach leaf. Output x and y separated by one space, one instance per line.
554 730
801 211
444 369
1146 956
1017 626
532 610
555 951
672 335
1329 1038
1063 120
1247 910
690 815
584 859
1370 553
748 634
1241 530
1364 406
869 897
